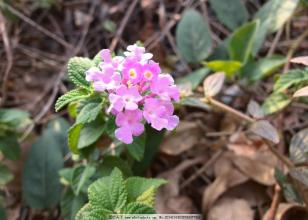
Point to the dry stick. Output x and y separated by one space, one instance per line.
275 202
58 81
37 26
275 42
9 57
293 48
248 119
203 168
127 16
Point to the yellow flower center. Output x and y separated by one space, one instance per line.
148 74
132 73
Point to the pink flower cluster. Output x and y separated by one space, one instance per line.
137 90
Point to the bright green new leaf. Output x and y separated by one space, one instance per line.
299 147
255 71
291 78
136 149
136 186
109 192
71 204
70 96
90 133
193 37
193 79
241 41
89 112
147 197
9 147
275 102
77 67
5 175
73 136
229 67
231 13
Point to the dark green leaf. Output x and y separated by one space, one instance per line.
275 102
90 133
81 181
194 79
5 175
299 147
241 42
136 149
41 186
9 147
110 162
70 204
232 13
14 117
193 37
89 112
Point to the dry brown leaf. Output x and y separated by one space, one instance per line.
301 92
241 145
231 209
264 129
180 205
213 84
287 211
221 184
260 172
186 136
300 60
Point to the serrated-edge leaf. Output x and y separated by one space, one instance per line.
138 208
147 197
77 66
70 96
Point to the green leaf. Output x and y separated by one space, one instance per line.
138 208
69 97
136 186
59 127
152 143
73 136
289 192
5 175
193 79
110 162
232 13
273 15
77 66
9 147
14 117
71 204
275 102
136 149
291 78
66 175
241 42
84 212
194 102
193 37
89 112
90 133
229 67
256 71
147 197
299 147
81 180
40 180
109 192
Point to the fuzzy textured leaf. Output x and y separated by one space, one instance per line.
77 66
138 208
70 96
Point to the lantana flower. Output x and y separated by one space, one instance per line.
137 91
